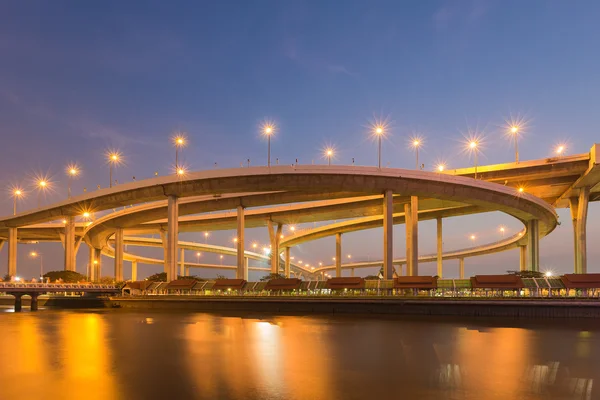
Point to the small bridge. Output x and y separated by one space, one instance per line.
18 290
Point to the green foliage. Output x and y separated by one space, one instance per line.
527 274
160 277
65 276
106 280
272 276
219 276
372 278
6 278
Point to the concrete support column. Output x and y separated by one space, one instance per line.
338 255
119 255
134 270
182 262
439 248
523 258
241 263
581 232
18 302
187 271
461 268
12 252
352 272
163 238
411 213
70 244
275 236
97 264
388 235
34 301
172 236
91 264
287 262
246 264
533 245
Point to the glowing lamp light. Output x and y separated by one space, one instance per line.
292 228
514 129
473 237
268 129
180 171
441 167
18 192
42 184
521 189
560 149
198 254
254 245
86 214
472 145
548 274
416 143
379 130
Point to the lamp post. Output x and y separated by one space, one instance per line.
114 158
17 194
72 171
179 141
379 132
329 153
473 147
416 143
42 185
268 131
35 254
198 254
205 237
514 130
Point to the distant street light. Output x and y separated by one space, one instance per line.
268 131
502 229
17 194
379 132
114 159
198 254
473 146
205 237
441 167
42 186
35 254
560 149
179 141
72 172
416 143
514 130
329 153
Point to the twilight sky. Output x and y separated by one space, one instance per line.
77 78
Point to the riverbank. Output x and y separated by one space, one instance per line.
67 302
506 308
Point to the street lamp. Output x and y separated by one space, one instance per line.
35 254
72 171
205 237
328 154
179 141
473 237
198 254
502 229
416 143
379 132
42 186
473 147
268 131
514 130
114 158
441 167
560 149
17 194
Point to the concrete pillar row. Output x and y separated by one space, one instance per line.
287 262
134 264
275 236
119 254
461 268
581 233
439 248
533 245
182 262
97 264
523 258
411 214
388 235
70 244
338 255
242 269
163 238
172 236
12 252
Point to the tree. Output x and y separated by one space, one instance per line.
160 277
272 276
527 274
6 278
372 278
219 276
66 276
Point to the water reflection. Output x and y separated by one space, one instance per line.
153 355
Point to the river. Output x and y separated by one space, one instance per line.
118 354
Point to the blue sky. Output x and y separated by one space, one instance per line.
77 78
